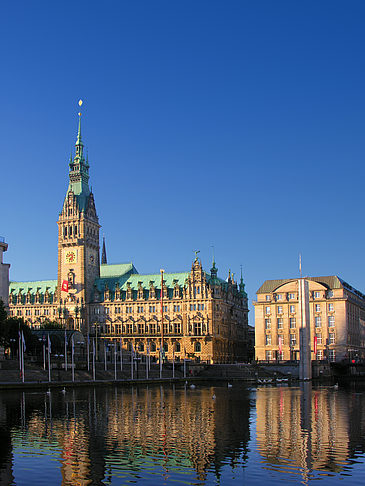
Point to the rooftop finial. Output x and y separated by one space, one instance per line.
213 255
78 141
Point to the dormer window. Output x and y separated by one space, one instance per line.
129 291
140 291
152 292
165 294
177 291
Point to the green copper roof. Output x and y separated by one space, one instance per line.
41 285
135 279
117 270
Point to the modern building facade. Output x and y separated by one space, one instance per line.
336 316
194 313
4 273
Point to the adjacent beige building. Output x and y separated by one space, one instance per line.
337 320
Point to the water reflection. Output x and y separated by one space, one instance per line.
314 432
159 434
115 435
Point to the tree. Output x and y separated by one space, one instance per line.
3 314
49 325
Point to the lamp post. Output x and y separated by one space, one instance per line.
12 346
43 341
64 310
96 326
77 310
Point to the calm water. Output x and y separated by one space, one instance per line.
178 435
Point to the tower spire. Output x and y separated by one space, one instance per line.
78 140
104 260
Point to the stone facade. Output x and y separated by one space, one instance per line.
336 316
4 273
203 317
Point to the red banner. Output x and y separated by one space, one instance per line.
65 286
315 345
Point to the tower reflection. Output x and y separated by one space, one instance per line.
305 429
98 434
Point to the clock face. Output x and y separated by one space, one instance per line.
71 256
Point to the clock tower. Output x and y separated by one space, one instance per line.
78 243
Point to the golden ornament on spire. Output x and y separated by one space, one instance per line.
80 102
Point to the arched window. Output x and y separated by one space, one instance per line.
197 347
153 346
177 347
166 347
141 347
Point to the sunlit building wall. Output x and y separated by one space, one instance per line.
337 320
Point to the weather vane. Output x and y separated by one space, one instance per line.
196 254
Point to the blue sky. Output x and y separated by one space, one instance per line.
228 123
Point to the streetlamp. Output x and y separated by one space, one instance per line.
64 310
43 340
77 310
96 326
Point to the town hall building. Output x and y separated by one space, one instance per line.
195 314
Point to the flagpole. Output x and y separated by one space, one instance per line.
161 341
88 350
49 359
121 354
105 367
115 360
19 351
184 363
72 358
65 351
173 361
132 362
23 345
94 359
147 356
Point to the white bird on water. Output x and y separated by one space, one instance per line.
335 387
229 385
64 390
192 386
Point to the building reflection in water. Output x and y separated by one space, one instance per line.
305 429
102 433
